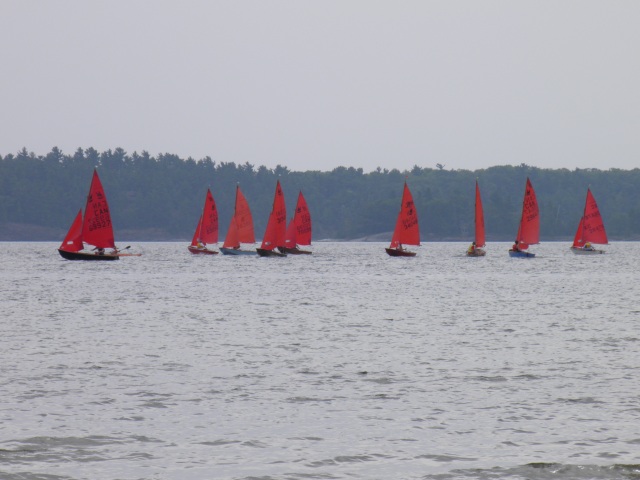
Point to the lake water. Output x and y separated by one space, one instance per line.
346 364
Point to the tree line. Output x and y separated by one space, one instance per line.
161 197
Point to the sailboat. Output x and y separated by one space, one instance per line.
299 229
590 229
407 231
276 227
240 228
475 250
207 228
94 229
529 229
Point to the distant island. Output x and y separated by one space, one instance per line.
159 198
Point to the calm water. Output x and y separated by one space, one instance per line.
347 364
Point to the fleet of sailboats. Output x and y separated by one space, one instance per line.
94 229
407 230
590 229
529 229
207 228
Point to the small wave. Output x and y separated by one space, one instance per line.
308 399
581 400
446 458
216 443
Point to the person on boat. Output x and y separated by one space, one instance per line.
472 248
101 251
200 246
400 247
588 246
515 246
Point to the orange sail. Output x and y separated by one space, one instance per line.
97 229
291 237
299 229
207 229
578 241
407 231
591 227
73 241
232 240
302 221
243 219
275 233
241 224
196 235
529 229
480 240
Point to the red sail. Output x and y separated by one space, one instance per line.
243 219
407 231
209 226
480 240
578 240
232 240
97 229
73 241
269 241
291 237
195 240
276 231
593 226
529 230
302 220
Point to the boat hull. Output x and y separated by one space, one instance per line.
582 251
86 256
294 251
521 254
394 252
269 253
478 252
234 251
201 251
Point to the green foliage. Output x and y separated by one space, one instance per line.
166 193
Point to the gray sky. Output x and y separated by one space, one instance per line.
318 84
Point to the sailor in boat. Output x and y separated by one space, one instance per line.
200 246
472 248
588 246
100 251
515 246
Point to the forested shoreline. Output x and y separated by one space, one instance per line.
160 198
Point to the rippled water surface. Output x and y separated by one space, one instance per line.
346 364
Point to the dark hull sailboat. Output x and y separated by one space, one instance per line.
94 229
529 229
274 236
395 252
207 228
270 253
240 228
87 256
294 251
407 231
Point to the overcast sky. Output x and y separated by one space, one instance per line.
317 84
